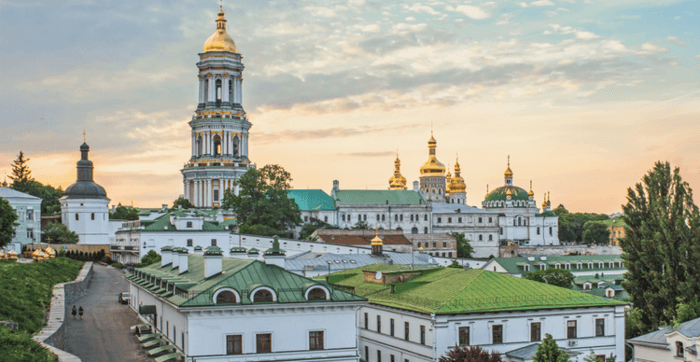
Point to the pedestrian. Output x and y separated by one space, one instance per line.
80 311
74 312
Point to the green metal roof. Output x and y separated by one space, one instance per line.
194 290
308 200
499 194
377 197
456 291
163 224
515 265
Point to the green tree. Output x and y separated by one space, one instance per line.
8 222
593 358
258 229
571 225
549 351
558 277
470 354
123 213
661 249
182 202
455 264
21 175
262 203
307 230
150 258
596 232
361 225
57 233
464 249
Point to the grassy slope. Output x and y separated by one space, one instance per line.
26 294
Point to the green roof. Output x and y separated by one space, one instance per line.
547 214
163 224
377 197
308 200
499 194
457 291
616 221
516 265
227 223
194 290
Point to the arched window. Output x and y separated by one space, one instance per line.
411 217
425 217
218 93
481 237
579 265
538 230
200 145
263 295
425 230
550 231
236 143
92 217
414 231
77 216
557 266
679 349
590 265
490 237
226 296
230 90
399 229
519 221
526 267
317 294
601 265
567 266
217 145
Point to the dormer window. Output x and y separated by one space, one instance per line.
590 265
567 266
316 293
263 295
601 265
189 224
543 266
679 349
579 265
226 297
557 266
587 286
526 267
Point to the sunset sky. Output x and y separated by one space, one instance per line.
584 95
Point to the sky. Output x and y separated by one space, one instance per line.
584 95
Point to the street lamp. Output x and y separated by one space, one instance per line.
329 266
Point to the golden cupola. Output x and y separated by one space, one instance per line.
432 167
531 194
220 41
509 172
448 180
397 181
457 184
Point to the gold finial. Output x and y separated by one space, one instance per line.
377 240
84 136
508 172
531 194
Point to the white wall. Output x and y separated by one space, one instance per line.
89 231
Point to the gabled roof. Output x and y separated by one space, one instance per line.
308 200
242 275
457 291
690 329
163 223
6 192
339 262
379 197
515 265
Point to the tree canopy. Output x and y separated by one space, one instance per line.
21 175
571 225
57 233
470 354
150 258
8 222
262 206
596 232
558 277
23 181
661 249
123 213
549 351
464 249
182 202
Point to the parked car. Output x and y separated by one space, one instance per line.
124 298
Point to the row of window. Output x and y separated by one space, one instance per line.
459 220
579 265
427 244
92 216
28 215
382 217
464 335
325 219
517 203
265 295
190 242
392 358
263 342
406 328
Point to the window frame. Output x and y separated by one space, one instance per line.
535 326
463 336
422 334
494 329
571 329
258 341
231 343
600 327
319 336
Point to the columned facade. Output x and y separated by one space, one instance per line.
219 148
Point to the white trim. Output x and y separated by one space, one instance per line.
328 293
252 293
216 294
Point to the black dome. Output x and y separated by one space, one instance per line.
85 190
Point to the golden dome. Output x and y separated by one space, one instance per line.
377 240
397 181
432 167
508 172
509 194
544 202
220 41
457 184
531 194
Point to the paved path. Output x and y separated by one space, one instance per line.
103 335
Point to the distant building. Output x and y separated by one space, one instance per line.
310 264
480 227
578 265
616 226
439 245
28 210
602 285
668 344
393 240
314 205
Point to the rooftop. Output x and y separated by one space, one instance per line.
310 261
689 329
379 197
6 193
516 265
309 200
443 208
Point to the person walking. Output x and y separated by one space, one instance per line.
74 312
80 311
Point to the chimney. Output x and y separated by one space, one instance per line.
275 255
416 186
175 258
166 256
198 250
238 252
213 261
253 253
183 256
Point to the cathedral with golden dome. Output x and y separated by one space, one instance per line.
219 149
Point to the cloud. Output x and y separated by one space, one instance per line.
422 9
651 48
373 28
542 3
675 41
475 12
505 18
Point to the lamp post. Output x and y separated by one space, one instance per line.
329 266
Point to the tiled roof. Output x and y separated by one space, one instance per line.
163 223
312 199
457 291
499 193
379 197
242 275
515 265
339 262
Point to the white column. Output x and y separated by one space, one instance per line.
240 91
224 142
212 89
224 89
187 189
196 193
244 143
194 144
201 90
207 136
210 194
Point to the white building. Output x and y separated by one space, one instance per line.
578 265
418 315
224 309
28 210
480 227
668 344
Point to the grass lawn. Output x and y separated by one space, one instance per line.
26 294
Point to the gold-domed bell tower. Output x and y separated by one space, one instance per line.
377 245
397 181
458 188
432 175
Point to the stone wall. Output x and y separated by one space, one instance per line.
515 250
52 336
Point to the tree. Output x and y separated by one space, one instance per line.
549 351
593 358
57 233
8 222
123 213
571 225
470 354
21 175
262 202
307 230
595 232
361 225
558 277
455 264
661 249
150 258
464 249
182 202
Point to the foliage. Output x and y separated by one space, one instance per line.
8 222
21 175
455 264
464 249
661 249
119 265
558 277
470 354
571 225
593 358
123 213
262 202
19 346
182 202
307 230
57 233
361 225
48 194
549 351
596 232
686 311
150 258
262 230
85 256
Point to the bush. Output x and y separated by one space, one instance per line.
107 260
119 265
19 346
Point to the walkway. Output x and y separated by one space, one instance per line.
103 334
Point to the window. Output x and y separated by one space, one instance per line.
449 254
480 219
30 215
567 266
434 245
391 358
30 233
590 265
226 297
444 244
262 295
396 217
174 335
422 334
391 327
526 267
189 224
189 242
425 217
490 237
383 218
234 344
463 336
379 356
379 324
459 220
367 353
439 220
401 217
497 333
263 343
535 331
325 219
366 321
449 220
557 266
538 230
306 219
679 349
316 340
167 328
570 329
490 219
317 294
425 230
213 242
77 217
343 217
92 216
481 237
378 217
406 330
216 192
599 327
550 231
